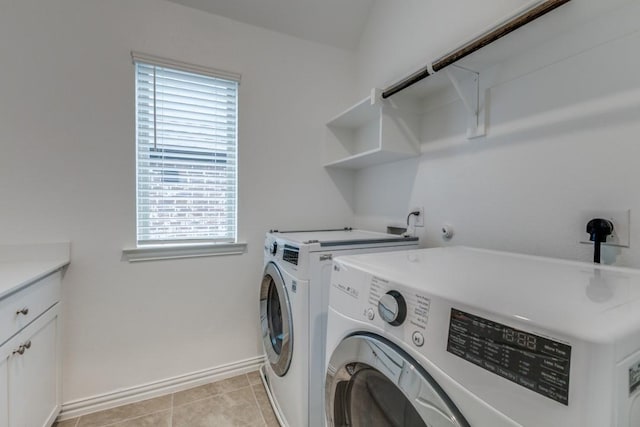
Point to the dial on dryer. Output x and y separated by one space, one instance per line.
392 308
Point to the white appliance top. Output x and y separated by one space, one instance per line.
340 237
588 301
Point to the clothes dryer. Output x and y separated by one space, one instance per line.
464 337
293 308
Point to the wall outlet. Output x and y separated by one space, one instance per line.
418 220
621 220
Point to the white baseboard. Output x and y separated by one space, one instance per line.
79 407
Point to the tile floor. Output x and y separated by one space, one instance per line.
235 402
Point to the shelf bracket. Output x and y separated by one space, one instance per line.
376 96
467 84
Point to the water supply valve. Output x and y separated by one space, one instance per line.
598 229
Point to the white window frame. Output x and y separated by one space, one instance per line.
150 250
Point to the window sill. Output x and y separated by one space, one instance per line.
162 252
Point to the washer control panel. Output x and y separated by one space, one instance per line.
370 314
532 361
418 339
401 309
392 308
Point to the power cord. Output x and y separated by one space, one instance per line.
416 213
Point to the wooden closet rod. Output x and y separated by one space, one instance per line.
474 45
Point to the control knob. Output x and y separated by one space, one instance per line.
392 308
274 248
370 314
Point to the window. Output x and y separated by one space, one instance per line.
187 153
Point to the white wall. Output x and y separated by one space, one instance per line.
67 173
561 138
563 125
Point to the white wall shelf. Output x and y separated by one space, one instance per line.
367 158
376 131
371 132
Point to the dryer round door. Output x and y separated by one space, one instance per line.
372 382
275 317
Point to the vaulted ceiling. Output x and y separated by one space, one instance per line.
337 23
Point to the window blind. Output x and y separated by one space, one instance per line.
187 160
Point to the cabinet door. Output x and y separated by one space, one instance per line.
33 375
4 389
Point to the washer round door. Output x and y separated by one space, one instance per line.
372 382
275 317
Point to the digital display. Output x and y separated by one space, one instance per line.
290 254
634 378
537 363
520 338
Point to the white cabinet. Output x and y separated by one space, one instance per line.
4 391
33 375
30 393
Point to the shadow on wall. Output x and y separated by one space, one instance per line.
612 110
393 184
385 193
345 183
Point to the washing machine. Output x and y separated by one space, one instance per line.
293 308
462 337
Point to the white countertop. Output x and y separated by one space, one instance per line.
21 265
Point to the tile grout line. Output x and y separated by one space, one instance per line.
111 424
213 395
172 403
255 398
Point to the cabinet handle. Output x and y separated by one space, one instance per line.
24 347
24 311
